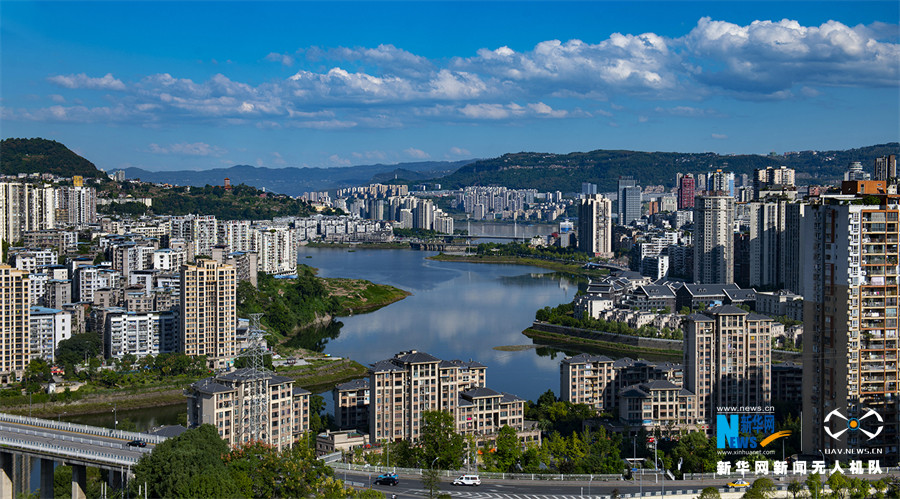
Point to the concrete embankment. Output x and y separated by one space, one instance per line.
623 343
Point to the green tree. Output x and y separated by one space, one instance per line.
709 493
697 452
439 440
795 488
189 465
839 484
814 485
507 453
762 488
80 346
38 371
431 481
262 471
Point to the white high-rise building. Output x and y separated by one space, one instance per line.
595 225
235 235
47 327
714 239
276 248
199 231
139 333
78 203
25 207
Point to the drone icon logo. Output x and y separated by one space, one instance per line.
854 424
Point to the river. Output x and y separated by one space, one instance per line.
457 310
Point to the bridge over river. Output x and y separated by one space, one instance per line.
79 446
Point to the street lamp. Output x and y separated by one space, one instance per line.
115 417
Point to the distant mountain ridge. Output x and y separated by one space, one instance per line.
566 172
39 155
295 181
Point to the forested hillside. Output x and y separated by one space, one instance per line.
566 172
43 156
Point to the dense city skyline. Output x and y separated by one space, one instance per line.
312 84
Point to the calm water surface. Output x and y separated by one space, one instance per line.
456 311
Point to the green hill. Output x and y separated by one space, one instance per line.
241 202
43 156
566 172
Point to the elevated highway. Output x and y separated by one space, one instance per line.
79 446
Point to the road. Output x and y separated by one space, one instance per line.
66 439
410 487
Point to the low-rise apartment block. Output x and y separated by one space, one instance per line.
401 389
246 405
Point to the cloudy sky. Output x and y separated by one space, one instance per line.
198 85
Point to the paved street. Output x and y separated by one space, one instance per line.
69 439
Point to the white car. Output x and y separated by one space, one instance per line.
467 480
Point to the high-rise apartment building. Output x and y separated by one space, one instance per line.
15 351
595 225
850 341
629 200
139 333
276 249
686 190
775 244
199 232
25 207
78 205
208 313
886 168
47 327
714 239
727 359
720 181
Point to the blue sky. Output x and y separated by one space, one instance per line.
198 85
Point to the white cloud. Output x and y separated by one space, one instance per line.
81 80
284 59
544 110
719 136
188 149
766 57
336 160
389 87
459 151
412 152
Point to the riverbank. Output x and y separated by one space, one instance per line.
562 341
632 346
568 268
318 375
390 245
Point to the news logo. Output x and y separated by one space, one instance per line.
854 424
741 431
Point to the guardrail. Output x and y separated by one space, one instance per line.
80 428
105 457
482 474
70 438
